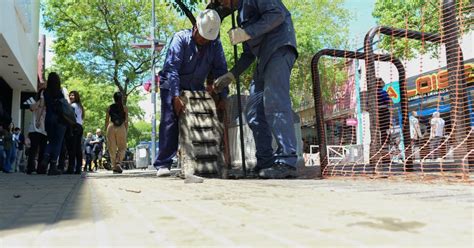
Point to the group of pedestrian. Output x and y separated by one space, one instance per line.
436 134
94 150
52 139
268 36
12 143
48 132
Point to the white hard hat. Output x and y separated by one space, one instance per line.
208 24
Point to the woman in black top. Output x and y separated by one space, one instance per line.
116 122
54 126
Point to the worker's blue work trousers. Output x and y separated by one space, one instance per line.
269 110
169 131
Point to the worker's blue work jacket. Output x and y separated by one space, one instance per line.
269 25
187 65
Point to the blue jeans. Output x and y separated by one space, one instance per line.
7 159
56 131
169 131
3 156
269 111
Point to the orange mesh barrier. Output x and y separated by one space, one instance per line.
380 116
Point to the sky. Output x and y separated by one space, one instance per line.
362 20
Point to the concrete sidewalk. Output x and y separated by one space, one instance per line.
137 209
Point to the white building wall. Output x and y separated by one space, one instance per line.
19 27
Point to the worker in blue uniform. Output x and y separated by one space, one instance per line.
267 33
191 56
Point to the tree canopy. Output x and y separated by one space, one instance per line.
93 50
97 34
418 15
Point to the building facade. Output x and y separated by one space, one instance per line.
346 124
19 27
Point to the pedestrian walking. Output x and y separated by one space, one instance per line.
98 148
11 156
88 152
436 134
19 142
116 122
3 150
74 141
415 129
192 55
267 33
7 147
55 128
37 132
415 134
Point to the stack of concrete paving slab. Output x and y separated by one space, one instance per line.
200 136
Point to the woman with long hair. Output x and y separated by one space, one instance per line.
116 123
74 140
55 128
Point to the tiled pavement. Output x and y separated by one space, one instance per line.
137 209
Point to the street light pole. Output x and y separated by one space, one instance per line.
153 85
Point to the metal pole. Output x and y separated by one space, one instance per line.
459 113
153 84
239 100
43 67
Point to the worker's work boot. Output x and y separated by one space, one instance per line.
163 172
278 171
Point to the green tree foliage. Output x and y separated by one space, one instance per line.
139 131
97 35
318 25
93 52
94 56
418 15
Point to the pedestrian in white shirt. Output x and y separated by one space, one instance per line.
436 134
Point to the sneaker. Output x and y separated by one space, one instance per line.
163 172
278 171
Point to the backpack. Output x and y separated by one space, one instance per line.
117 116
66 112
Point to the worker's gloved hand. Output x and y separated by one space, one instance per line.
223 81
238 35
178 106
